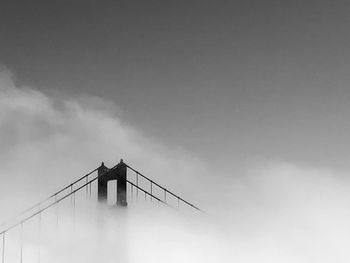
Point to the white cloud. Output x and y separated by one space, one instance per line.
277 212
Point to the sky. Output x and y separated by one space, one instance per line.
247 99
229 81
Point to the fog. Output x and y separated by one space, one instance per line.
274 211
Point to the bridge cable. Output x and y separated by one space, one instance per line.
131 192
39 237
149 194
137 184
56 211
169 192
55 202
21 244
48 198
3 248
73 195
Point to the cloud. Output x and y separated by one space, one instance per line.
289 213
275 212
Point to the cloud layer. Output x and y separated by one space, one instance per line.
276 212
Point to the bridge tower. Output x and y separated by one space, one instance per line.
117 173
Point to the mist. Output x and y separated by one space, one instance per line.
275 211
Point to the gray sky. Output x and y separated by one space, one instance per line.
229 81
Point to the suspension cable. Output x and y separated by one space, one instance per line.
163 188
88 183
147 193
21 244
39 237
3 248
48 198
55 202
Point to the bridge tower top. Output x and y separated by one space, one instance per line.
118 173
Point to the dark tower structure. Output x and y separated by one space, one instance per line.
117 173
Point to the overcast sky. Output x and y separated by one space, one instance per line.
229 81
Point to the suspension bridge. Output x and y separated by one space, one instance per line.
130 186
